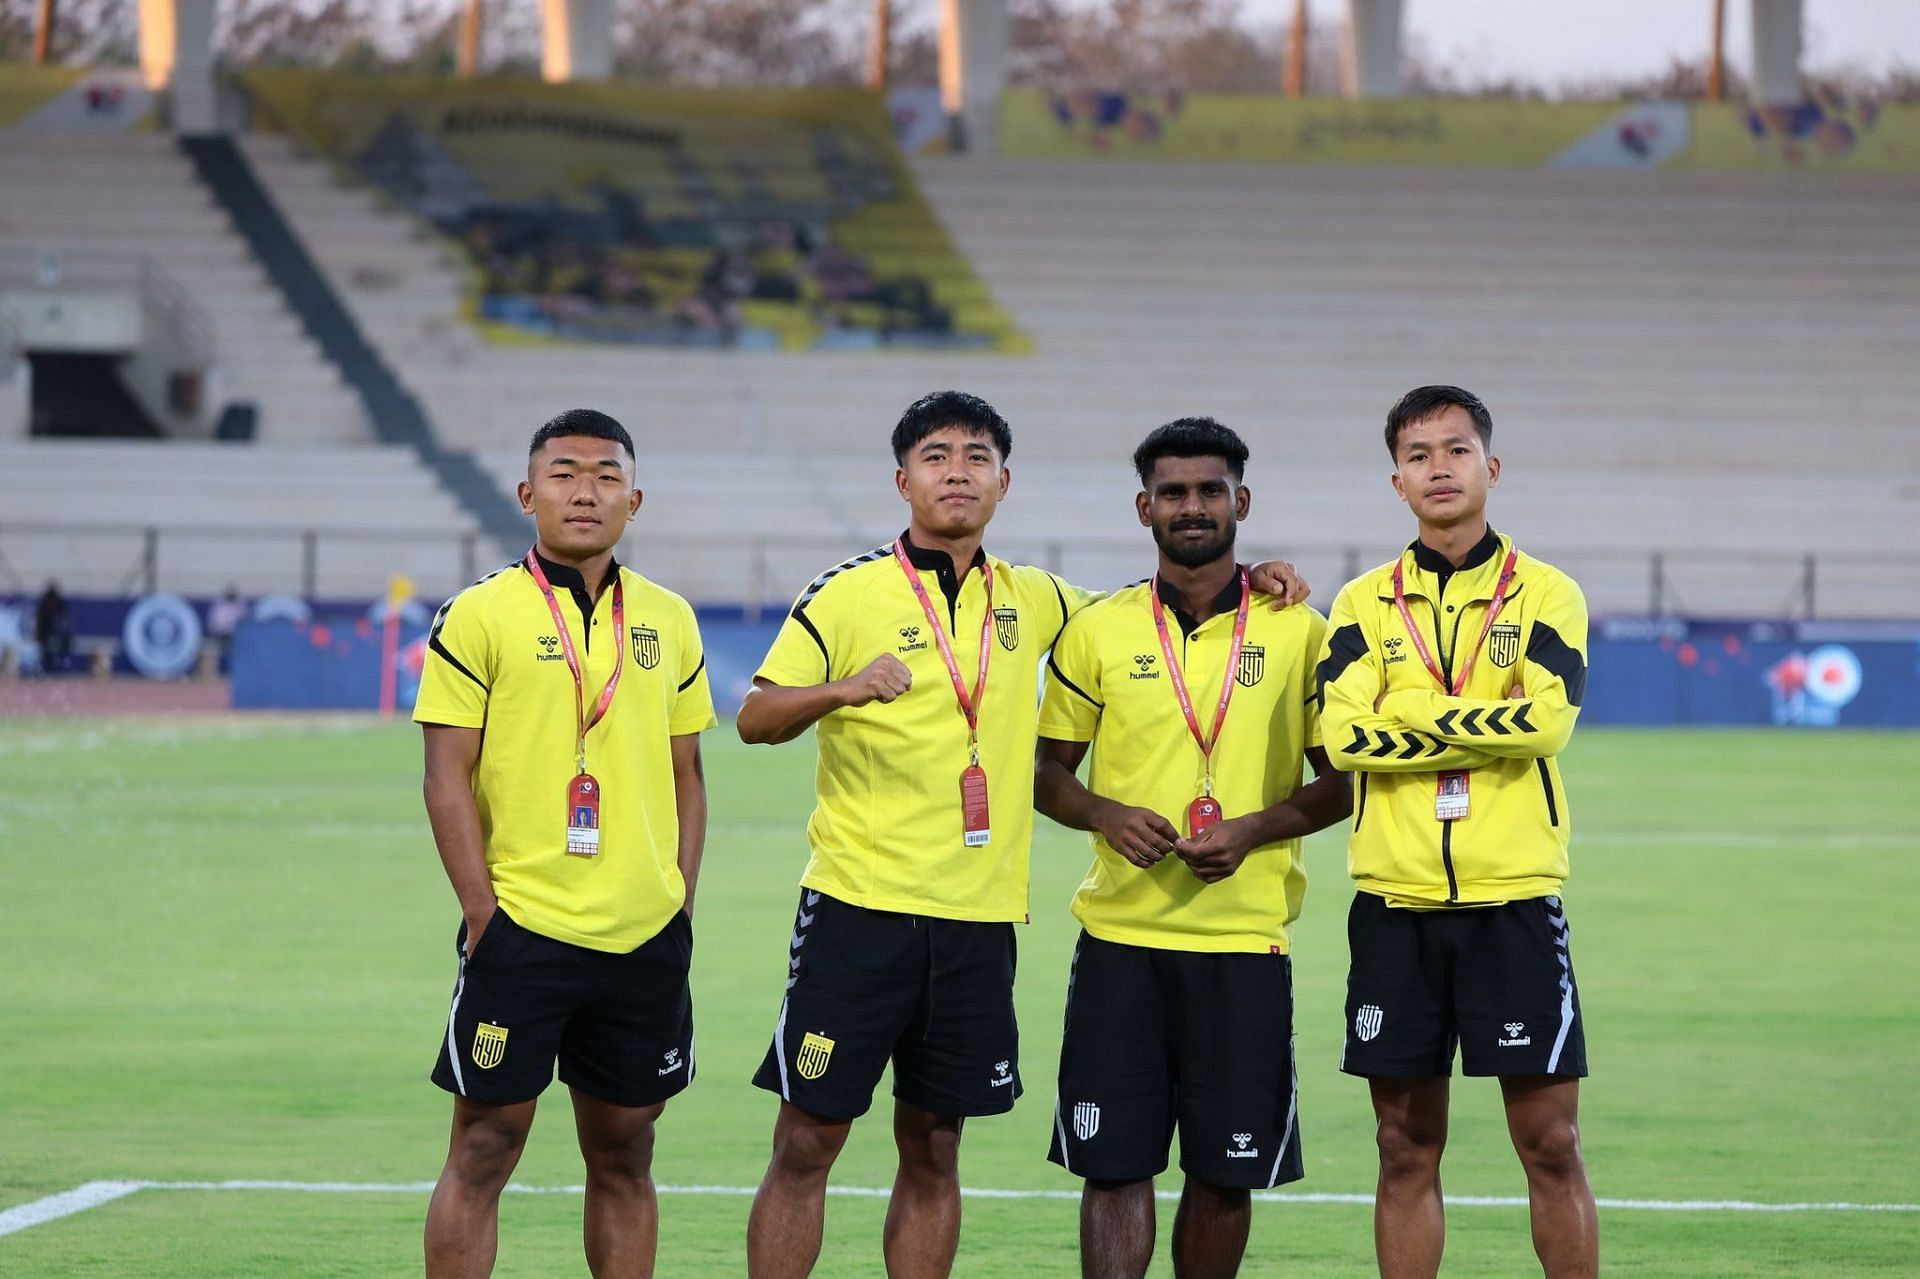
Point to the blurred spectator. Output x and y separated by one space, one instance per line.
53 630
224 616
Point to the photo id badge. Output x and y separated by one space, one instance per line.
1202 813
1450 801
583 816
973 804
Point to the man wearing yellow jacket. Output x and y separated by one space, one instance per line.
1450 682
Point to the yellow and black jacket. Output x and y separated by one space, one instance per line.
1512 845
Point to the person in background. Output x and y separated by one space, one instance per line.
53 630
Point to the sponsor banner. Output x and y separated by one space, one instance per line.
326 662
1822 132
1825 131
1266 129
1788 674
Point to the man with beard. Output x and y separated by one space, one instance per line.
919 662
1198 703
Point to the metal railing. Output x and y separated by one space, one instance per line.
760 573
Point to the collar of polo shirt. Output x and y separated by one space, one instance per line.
1227 601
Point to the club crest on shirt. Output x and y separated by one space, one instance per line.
815 1052
489 1045
1253 665
1503 644
1006 627
646 646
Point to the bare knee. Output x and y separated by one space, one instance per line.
929 1145
486 1145
1410 1146
1550 1150
625 1156
805 1146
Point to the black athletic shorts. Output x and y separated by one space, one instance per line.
620 1025
1159 1038
1498 980
934 996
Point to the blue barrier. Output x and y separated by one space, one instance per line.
1656 671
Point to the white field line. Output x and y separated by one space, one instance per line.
95 1193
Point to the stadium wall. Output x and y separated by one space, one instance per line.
1653 672
1824 131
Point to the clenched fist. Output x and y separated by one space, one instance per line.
882 680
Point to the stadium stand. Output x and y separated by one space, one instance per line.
318 521
101 202
1691 372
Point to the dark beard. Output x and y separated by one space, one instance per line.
1195 554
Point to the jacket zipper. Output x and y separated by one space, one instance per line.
1546 785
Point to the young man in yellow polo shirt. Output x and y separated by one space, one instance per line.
1198 704
562 703
1450 683
919 661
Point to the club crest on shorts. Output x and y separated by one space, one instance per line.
1503 644
1253 664
646 646
489 1045
815 1052
1006 627
1086 1119
1366 1022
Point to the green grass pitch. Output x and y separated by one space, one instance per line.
225 952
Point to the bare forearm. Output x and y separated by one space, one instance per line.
1061 795
1315 806
775 713
690 806
455 819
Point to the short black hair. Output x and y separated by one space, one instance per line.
1190 437
1423 402
942 409
591 423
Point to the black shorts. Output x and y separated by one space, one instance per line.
1156 1038
1496 979
620 1025
934 996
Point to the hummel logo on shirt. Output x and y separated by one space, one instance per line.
1145 662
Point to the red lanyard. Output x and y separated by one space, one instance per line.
969 706
573 658
1206 743
1420 644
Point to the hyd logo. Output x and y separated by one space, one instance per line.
815 1052
489 1045
1145 663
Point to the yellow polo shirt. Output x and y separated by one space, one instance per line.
1107 684
495 663
886 832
